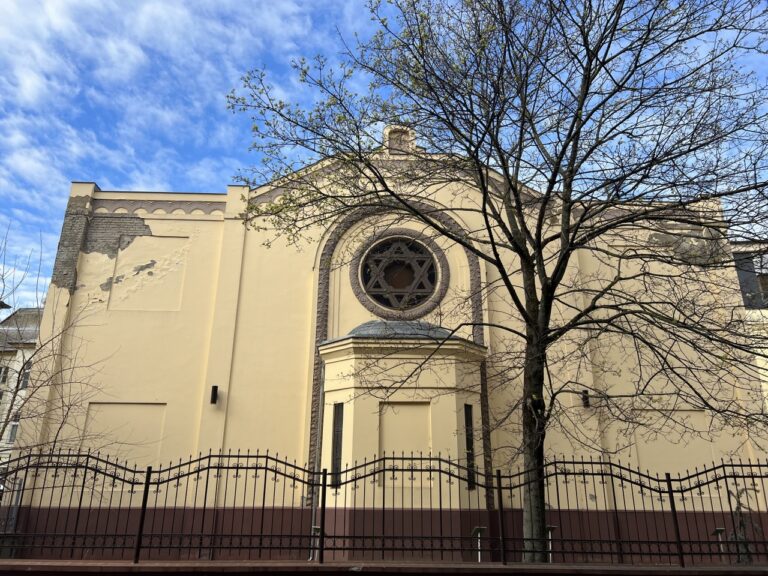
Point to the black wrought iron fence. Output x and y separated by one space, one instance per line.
406 508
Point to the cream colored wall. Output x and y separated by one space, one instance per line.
429 383
585 431
141 322
609 364
219 308
272 358
215 308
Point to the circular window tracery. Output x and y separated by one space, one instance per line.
399 273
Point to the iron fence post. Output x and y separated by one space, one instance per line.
321 551
616 522
500 511
79 509
142 515
675 521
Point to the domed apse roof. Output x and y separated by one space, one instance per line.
399 329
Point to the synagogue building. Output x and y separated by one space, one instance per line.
377 336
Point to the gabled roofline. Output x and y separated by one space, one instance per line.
268 191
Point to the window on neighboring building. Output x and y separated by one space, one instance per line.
3 374
13 429
762 282
24 382
752 269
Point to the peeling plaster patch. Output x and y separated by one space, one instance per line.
107 285
151 273
689 248
139 269
107 234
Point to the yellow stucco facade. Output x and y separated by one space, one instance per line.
163 296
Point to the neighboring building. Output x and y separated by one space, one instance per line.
19 337
752 268
205 339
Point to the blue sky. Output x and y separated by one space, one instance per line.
130 94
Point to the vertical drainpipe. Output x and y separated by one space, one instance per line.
315 466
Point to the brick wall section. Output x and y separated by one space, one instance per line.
73 232
109 233
85 232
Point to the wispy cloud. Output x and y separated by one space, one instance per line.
132 95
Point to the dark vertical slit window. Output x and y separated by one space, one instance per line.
338 426
469 437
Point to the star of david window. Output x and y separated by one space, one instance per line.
398 273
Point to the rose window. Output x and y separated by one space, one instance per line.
398 273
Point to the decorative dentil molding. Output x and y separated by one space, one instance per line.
168 206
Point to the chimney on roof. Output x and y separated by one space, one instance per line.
399 139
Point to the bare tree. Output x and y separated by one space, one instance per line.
609 150
44 386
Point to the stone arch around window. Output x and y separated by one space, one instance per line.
339 229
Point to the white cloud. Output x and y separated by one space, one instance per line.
132 95
121 60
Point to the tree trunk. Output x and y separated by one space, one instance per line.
535 547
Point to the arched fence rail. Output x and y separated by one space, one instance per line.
251 506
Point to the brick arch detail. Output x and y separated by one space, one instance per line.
340 228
